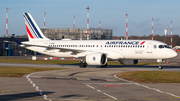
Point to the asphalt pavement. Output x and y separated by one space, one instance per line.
87 84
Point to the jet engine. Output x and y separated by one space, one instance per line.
96 59
128 62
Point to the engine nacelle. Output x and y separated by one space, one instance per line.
128 62
96 59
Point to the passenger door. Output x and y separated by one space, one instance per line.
149 47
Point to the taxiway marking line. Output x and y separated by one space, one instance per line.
110 96
102 92
98 90
90 86
147 87
36 87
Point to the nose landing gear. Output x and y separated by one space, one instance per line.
160 67
160 63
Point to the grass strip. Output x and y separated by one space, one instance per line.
20 71
152 76
139 64
39 61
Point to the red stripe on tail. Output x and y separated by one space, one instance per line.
29 32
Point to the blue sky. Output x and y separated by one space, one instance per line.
111 13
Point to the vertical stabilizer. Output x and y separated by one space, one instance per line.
33 31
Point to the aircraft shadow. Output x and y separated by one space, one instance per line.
69 96
30 95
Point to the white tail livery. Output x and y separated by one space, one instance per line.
96 52
33 31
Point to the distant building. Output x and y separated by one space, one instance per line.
10 48
165 31
78 33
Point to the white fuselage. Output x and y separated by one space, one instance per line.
115 49
95 52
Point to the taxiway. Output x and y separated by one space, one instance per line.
86 84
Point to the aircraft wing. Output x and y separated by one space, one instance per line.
52 48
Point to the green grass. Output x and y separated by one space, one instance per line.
139 64
20 71
39 61
152 76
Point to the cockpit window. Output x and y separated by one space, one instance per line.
164 46
161 46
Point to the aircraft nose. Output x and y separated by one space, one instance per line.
171 54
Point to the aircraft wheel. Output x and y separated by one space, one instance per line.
81 64
85 64
160 67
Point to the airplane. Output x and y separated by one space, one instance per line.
96 52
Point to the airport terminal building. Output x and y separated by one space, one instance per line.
78 33
8 47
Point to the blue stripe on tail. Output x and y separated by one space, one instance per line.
30 27
33 26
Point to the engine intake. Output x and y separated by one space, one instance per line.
96 59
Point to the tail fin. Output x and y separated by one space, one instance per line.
33 31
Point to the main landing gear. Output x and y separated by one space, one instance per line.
82 64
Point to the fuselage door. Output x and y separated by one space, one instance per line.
149 47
